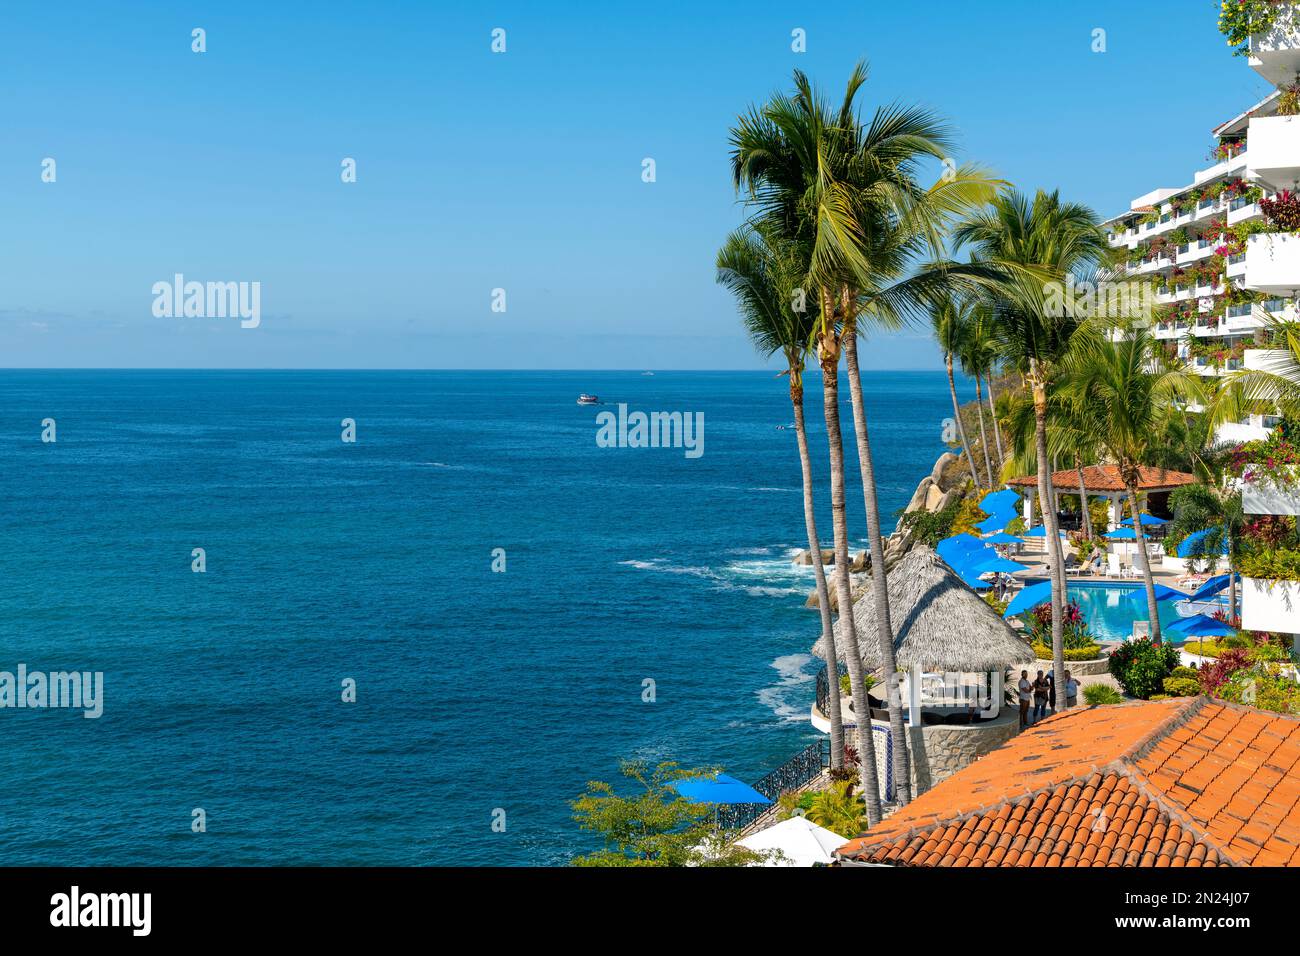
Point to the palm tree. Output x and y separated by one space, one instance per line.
971 359
1124 393
951 323
980 359
1036 242
1066 438
1216 509
851 191
763 275
1275 386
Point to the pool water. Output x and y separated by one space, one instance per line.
1110 609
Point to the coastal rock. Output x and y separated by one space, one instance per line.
935 498
946 460
920 496
861 562
805 558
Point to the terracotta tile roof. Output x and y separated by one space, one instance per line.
1175 783
1106 478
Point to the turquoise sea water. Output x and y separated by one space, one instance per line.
372 561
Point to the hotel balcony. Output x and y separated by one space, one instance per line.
1274 151
1266 360
1270 605
1273 263
1275 55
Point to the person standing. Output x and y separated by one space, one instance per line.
1040 697
1024 688
1071 690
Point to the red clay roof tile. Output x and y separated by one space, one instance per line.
1170 783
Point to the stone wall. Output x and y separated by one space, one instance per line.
939 751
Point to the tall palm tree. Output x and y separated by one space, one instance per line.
1125 392
971 359
951 322
1216 509
763 276
851 190
981 359
1037 242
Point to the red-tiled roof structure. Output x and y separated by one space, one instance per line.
1105 478
1185 782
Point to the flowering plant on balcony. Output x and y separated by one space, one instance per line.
1270 462
1282 211
1238 19
1225 151
1215 352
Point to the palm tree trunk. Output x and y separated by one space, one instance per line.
819 572
1083 498
828 354
879 584
1144 560
984 437
997 431
1047 501
961 428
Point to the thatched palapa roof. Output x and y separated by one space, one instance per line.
939 623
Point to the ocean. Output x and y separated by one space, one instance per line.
482 696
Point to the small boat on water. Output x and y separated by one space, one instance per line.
585 399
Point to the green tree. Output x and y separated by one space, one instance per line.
765 277
655 825
1124 393
951 321
1036 244
851 190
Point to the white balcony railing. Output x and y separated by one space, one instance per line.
1275 150
1273 262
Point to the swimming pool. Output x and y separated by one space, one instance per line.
1110 608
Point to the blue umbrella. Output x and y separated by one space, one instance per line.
1146 520
968 559
1121 534
725 789
1163 593
1029 598
998 502
1003 538
997 522
958 544
972 580
1039 531
1002 565
1194 544
1198 625
1212 587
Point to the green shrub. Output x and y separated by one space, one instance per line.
1182 686
1188 673
1101 694
1272 564
1205 648
1159 697
1141 666
1089 652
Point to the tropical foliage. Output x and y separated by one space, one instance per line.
654 825
1141 666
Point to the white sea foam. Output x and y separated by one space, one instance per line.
790 667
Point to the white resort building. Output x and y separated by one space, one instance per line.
1225 259
1221 265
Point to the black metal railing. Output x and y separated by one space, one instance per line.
803 767
823 698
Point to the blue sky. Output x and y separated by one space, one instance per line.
519 170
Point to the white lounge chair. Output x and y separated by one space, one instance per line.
1113 567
